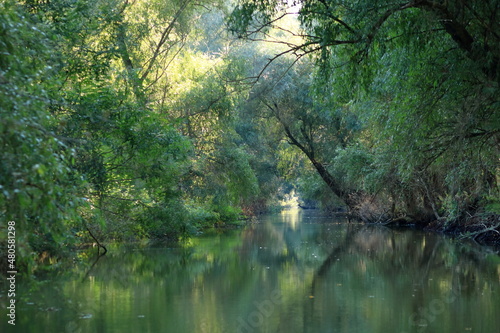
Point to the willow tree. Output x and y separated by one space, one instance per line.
423 76
285 98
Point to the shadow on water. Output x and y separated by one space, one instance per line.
292 272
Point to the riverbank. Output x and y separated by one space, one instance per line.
483 231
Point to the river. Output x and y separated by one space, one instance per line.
296 271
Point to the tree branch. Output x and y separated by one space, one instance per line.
163 39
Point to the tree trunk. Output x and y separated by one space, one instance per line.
308 150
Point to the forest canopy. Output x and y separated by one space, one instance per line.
126 120
421 81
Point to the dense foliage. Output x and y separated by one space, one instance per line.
117 126
402 116
124 120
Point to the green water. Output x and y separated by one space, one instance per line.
292 272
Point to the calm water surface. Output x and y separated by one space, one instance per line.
291 272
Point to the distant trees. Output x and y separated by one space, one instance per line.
286 96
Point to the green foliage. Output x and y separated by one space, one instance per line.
166 221
83 119
37 189
422 78
492 204
126 119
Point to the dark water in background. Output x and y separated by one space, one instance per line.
291 272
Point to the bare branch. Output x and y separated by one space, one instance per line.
163 39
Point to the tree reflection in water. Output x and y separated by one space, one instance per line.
294 272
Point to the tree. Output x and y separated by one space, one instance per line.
318 132
39 193
423 78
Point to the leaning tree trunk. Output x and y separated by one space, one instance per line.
348 197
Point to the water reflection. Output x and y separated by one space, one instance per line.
294 272
292 216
